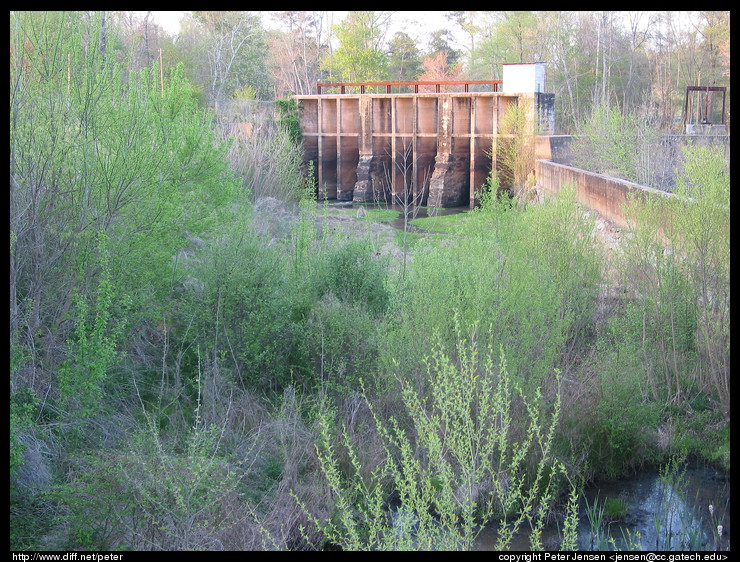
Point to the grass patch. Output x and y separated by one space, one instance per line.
451 223
380 214
705 435
615 509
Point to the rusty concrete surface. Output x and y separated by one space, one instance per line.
437 147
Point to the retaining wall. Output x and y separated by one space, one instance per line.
598 192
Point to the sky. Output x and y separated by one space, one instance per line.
415 23
170 21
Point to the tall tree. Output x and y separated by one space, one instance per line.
562 76
295 51
404 60
439 41
360 55
714 29
468 22
508 37
138 38
236 48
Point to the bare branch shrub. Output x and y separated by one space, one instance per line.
630 146
264 157
453 470
413 192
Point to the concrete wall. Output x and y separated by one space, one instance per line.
545 113
603 194
437 146
668 162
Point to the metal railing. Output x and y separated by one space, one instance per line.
437 85
688 106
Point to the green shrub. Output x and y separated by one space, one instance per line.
625 417
629 146
240 298
457 469
289 110
700 233
343 343
23 409
356 276
676 269
160 492
516 153
491 194
92 348
526 277
95 502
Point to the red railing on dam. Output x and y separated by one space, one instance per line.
437 85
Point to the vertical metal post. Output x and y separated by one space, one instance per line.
706 106
394 156
686 107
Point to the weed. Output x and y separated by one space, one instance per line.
615 509
595 516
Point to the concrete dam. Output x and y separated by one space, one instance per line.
436 147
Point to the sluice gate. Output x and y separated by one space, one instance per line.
436 147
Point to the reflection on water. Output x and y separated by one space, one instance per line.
663 511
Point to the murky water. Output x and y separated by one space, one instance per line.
650 511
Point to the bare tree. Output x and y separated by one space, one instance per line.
234 45
296 50
411 196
